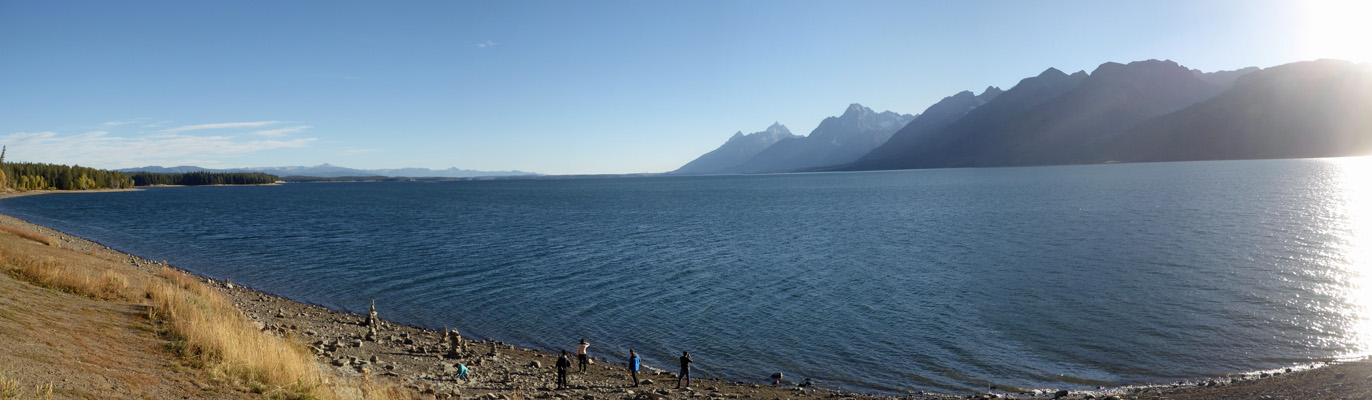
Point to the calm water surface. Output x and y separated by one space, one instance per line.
943 280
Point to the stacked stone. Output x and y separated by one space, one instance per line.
372 323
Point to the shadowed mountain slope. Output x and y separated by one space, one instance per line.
957 144
1306 109
934 118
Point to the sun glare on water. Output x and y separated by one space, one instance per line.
1355 180
1337 29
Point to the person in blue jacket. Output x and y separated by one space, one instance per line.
462 372
634 364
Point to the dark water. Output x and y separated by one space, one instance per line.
944 280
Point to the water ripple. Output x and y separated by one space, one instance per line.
951 280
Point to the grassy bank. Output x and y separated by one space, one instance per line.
198 325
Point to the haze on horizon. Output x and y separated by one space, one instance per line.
557 87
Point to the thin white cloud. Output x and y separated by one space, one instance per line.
220 126
93 135
125 122
486 44
158 124
100 149
282 131
27 137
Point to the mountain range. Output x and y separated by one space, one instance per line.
334 171
738 149
1142 111
837 140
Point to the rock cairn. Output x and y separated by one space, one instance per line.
455 345
372 323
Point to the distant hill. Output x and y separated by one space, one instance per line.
737 150
837 140
334 171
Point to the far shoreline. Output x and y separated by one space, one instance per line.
1261 378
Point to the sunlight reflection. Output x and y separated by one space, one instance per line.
1353 179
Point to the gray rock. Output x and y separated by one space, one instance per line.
536 365
1060 394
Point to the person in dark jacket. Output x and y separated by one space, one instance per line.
634 364
563 363
685 370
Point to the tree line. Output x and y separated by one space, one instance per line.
25 176
202 178
39 176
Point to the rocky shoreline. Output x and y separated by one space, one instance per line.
426 361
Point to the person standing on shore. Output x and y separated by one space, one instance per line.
563 363
581 354
685 370
633 365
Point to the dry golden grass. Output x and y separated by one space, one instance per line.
9 389
203 326
28 234
105 285
215 335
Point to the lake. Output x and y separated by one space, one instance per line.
894 282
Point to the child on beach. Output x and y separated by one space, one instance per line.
462 372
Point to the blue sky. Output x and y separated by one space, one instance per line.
561 87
